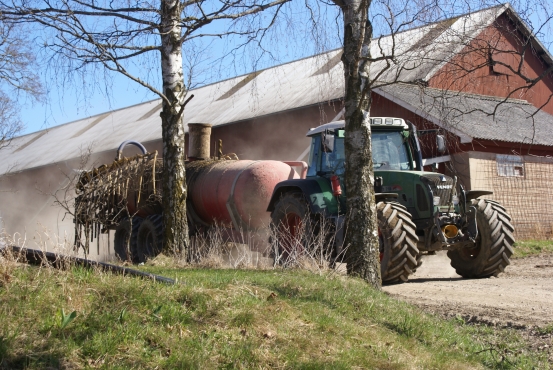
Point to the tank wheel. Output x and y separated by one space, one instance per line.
293 229
398 242
494 244
125 235
150 237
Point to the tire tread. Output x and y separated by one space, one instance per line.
395 222
500 241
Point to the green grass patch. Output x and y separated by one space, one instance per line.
528 248
232 319
546 330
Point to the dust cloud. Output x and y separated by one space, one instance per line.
31 215
435 266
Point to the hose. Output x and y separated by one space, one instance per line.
37 257
127 142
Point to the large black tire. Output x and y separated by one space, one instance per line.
494 244
419 261
150 237
288 228
125 236
296 233
398 242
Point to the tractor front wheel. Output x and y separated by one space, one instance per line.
494 243
398 242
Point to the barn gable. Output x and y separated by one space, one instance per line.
500 61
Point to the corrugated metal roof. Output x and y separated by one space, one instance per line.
297 84
281 88
476 116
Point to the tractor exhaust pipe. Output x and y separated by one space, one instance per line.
199 135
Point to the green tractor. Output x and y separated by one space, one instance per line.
418 212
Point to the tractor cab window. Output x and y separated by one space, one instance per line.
333 156
314 153
327 153
389 151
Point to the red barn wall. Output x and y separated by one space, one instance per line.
471 70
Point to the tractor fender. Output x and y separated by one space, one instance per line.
318 198
473 194
380 197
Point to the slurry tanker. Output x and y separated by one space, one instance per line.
418 212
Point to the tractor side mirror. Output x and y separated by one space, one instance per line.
440 143
328 142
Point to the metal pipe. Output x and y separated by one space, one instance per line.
301 164
127 142
37 257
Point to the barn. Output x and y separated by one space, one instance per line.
465 78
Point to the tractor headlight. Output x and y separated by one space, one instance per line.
455 200
436 201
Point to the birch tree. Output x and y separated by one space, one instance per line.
112 34
362 239
362 253
17 80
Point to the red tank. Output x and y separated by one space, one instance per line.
234 193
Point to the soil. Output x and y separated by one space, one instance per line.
520 298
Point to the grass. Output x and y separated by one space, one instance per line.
232 319
527 248
546 330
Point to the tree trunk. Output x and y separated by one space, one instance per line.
362 255
175 238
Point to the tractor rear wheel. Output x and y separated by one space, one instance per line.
288 228
494 243
124 244
398 242
296 233
150 237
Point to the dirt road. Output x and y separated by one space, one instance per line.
520 297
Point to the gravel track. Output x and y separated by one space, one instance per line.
521 297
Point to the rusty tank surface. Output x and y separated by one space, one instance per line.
234 193
223 191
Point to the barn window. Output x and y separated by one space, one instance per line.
510 165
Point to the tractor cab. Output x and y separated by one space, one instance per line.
392 147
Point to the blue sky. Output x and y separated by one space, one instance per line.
72 97
69 101
63 107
